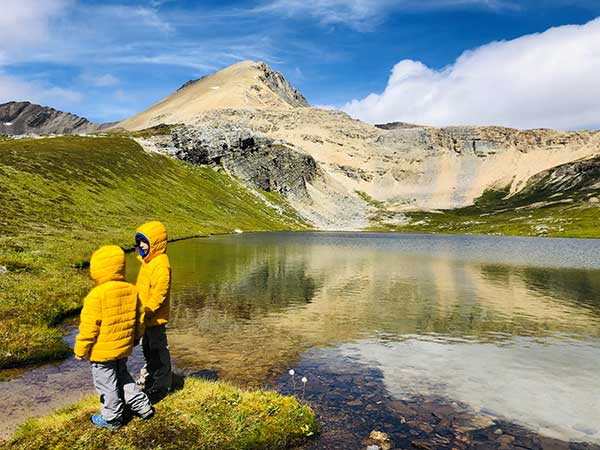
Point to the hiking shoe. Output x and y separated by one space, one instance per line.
149 415
156 395
100 422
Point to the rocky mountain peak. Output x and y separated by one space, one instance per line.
244 85
276 81
280 85
18 118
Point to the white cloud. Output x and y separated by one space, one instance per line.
96 80
25 23
14 89
72 32
548 79
363 15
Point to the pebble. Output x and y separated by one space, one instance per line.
354 403
382 438
379 436
505 439
498 431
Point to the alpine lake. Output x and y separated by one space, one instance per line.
435 341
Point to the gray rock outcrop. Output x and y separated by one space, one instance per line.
278 84
479 141
573 178
265 163
17 118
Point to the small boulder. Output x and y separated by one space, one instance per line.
380 440
505 439
3 269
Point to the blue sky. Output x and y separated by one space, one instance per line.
107 60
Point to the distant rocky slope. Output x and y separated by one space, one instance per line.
342 172
18 118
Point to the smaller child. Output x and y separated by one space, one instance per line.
111 320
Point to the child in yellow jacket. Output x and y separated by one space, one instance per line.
154 286
111 320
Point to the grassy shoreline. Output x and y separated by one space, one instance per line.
66 196
204 415
527 214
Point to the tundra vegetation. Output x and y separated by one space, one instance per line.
204 415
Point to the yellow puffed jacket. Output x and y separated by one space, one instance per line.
112 314
154 279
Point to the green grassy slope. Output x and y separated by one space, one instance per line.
61 198
204 415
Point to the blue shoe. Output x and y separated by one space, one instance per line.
101 422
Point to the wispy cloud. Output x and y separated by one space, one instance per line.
547 79
147 17
123 34
364 15
99 80
27 23
12 88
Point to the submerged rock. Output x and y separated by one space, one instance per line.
379 440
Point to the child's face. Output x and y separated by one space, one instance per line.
144 246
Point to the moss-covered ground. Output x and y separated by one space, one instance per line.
63 197
204 415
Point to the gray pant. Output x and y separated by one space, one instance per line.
157 373
117 389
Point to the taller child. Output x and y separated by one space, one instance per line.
154 286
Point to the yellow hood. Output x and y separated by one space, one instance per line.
108 264
156 234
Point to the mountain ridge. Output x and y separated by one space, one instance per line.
406 167
17 118
348 174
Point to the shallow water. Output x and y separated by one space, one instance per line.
507 327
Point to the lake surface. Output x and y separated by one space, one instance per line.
508 328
